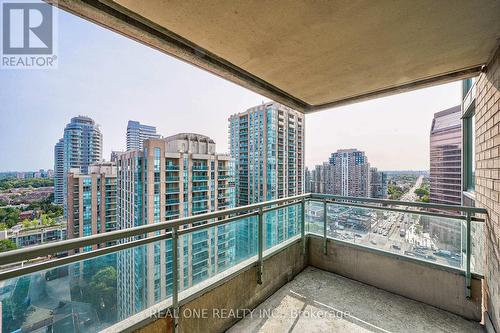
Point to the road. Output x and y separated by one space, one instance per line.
410 195
396 232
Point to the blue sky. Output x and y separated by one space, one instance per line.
113 79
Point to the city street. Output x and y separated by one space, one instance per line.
396 232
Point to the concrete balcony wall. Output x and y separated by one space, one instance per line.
437 286
427 283
240 293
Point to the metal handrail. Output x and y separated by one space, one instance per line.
393 209
464 209
248 210
173 229
71 244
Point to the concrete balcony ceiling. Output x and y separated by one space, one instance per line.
313 55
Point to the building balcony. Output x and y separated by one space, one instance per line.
172 190
199 178
326 268
171 202
171 179
199 199
170 213
171 167
199 209
199 188
200 168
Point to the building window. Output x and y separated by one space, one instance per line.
468 134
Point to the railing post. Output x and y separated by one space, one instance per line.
175 279
303 224
260 266
468 250
325 246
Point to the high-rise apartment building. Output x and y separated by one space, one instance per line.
81 147
92 200
307 180
321 179
59 172
446 157
137 133
351 173
170 178
378 184
267 147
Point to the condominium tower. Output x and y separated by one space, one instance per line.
351 173
170 178
321 178
59 172
81 146
137 133
378 184
446 157
92 200
267 147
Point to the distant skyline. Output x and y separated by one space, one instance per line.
113 79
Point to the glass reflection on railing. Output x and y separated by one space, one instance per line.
210 251
281 224
89 295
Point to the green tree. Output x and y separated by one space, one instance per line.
9 216
46 220
6 184
7 245
421 192
395 192
102 293
26 224
15 308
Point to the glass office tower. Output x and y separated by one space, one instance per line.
446 157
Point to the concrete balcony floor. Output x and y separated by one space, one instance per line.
320 297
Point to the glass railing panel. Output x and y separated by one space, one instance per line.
314 217
429 238
89 295
281 224
208 252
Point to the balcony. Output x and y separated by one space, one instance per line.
171 202
199 198
172 190
199 188
171 179
326 259
171 167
